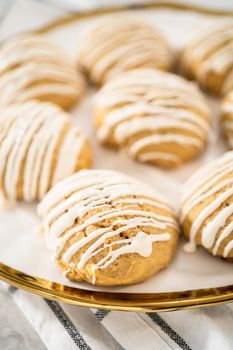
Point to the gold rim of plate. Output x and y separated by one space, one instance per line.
137 302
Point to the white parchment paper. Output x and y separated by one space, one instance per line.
22 248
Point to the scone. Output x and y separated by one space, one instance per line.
106 228
209 58
207 208
158 117
39 145
227 118
33 68
120 43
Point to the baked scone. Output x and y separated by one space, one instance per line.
157 116
227 118
207 208
208 58
107 228
31 67
39 145
120 43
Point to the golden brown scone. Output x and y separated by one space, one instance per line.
209 58
120 43
158 117
107 228
207 208
31 67
227 118
39 145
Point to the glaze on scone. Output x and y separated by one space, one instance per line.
33 68
107 228
121 43
158 117
207 208
227 118
209 58
39 145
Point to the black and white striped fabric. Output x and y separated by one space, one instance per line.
62 326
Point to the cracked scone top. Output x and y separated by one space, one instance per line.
107 228
227 118
39 145
207 208
158 117
121 43
31 67
209 58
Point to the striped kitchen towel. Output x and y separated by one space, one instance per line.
63 326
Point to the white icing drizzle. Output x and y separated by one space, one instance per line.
144 157
23 48
93 178
227 117
66 165
220 60
91 197
212 39
66 272
31 68
132 127
213 181
35 157
106 53
87 204
30 81
166 138
207 175
197 198
228 249
211 52
141 244
153 108
28 148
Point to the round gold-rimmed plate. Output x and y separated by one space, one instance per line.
137 302
111 300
